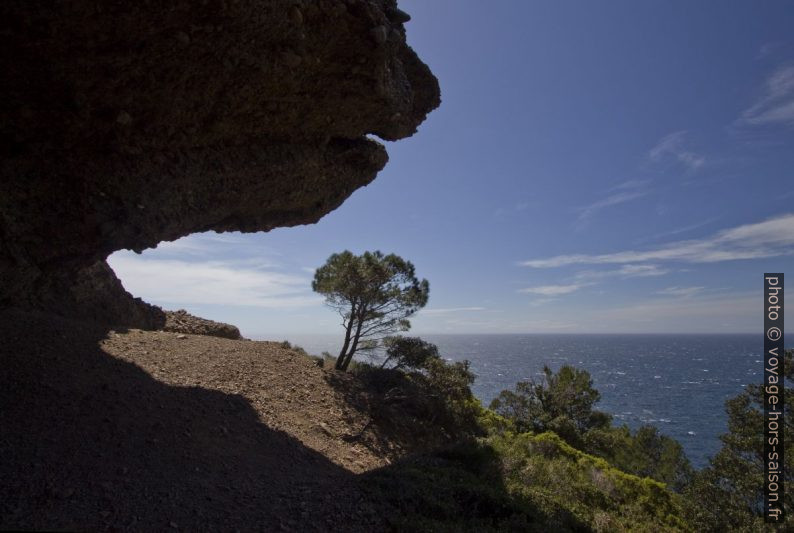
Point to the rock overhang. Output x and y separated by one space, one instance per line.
127 124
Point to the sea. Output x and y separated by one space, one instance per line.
678 383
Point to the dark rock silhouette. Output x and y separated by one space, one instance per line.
130 123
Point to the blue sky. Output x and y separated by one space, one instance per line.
612 166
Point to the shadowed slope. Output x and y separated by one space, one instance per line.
91 441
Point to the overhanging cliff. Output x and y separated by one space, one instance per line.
130 123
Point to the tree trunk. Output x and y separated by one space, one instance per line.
349 356
340 361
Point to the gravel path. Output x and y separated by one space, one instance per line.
143 430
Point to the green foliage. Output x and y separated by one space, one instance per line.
562 402
375 294
459 488
408 352
523 482
451 382
728 494
493 423
424 388
646 453
511 479
545 467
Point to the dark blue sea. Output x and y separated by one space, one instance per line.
679 383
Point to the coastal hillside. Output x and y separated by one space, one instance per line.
152 430
138 430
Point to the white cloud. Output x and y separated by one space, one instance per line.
441 311
684 292
625 271
680 230
542 301
235 283
553 290
771 238
635 271
587 212
632 184
701 313
620 194
776 105
212 244
673 148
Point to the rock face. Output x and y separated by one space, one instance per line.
128 123
183 322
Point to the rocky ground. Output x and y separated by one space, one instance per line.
154 430
183 322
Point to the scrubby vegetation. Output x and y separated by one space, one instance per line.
728 494
563 402
506 469
543 458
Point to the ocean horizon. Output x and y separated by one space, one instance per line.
676 382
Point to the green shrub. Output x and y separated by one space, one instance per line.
563 402
592 489
520 482
729 492
408 352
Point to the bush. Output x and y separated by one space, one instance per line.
408 352
646 453
423 400
729 493
522 482
562 402
545 467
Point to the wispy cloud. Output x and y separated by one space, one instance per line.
770 238
673 147
625 271
553 290
678 231
235 283
620 194
681 292
776 104
444 311
586 213
632 184
211 244
700 313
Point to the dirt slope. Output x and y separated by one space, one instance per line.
141 430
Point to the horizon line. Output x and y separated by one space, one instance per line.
759 333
